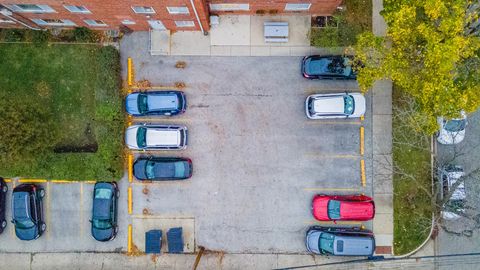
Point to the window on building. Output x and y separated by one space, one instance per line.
297 6
95 22
30 8
77 9
53 22
178 10
143 10
184 23
128 22
229 7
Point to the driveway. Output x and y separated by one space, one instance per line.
257 159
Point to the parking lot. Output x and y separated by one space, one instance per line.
68 209
257 159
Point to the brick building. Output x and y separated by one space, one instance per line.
175 15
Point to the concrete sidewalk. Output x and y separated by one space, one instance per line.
238 36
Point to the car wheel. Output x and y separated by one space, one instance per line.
4 189
4 224
42 193
43 227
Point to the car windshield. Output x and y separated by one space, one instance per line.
455 125
141 137
333 209
325 242
179 169
24 223
142 102
150 169
349 104
102 223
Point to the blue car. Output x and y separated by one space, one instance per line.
329 67
165 103
27 209
104 212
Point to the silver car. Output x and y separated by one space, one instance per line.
452 131
156 137
448 177
338 105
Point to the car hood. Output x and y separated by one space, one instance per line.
320 208
360 104
312 241
131 137
102 234
26 234
139 169
131 103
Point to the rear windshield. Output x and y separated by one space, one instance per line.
349 104
141 137
455 125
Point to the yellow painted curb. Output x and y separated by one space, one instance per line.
90 182
130 200
362 140
7 180
32 180
130 169
155 88
63 181
129 246
129 71
362 167
362 118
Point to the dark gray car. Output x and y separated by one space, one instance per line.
27 209
162 168
340 241
104 212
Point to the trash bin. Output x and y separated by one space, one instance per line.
153 241
175 240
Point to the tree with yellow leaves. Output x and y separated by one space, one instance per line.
430 51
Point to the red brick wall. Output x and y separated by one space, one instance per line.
112 12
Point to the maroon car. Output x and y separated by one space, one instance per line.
343 207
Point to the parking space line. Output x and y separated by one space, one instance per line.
362 168
129 71
138 120
330 156
26 180
129 244
161 217
130 169
47 212
63 181
331 189
81 210
362 117
153 88
90 182
7 180
334 122
362 138
130 202
340 222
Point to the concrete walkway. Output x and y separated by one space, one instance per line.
382 151
240 35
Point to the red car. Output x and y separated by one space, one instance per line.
343 207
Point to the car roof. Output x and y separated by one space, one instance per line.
21 205
329 104
158 136
162 101
354 245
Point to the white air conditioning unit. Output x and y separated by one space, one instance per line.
214 20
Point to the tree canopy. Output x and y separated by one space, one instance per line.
429 53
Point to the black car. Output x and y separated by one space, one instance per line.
166 103
333 67
3 197
162 168
27 209
104 213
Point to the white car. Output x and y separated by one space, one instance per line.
339 105
156 137
448 177
452 131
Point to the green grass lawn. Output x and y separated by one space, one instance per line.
356 19
411 182
61 97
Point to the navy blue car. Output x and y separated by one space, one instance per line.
166 103
104 212
329 67
162 168
27 209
